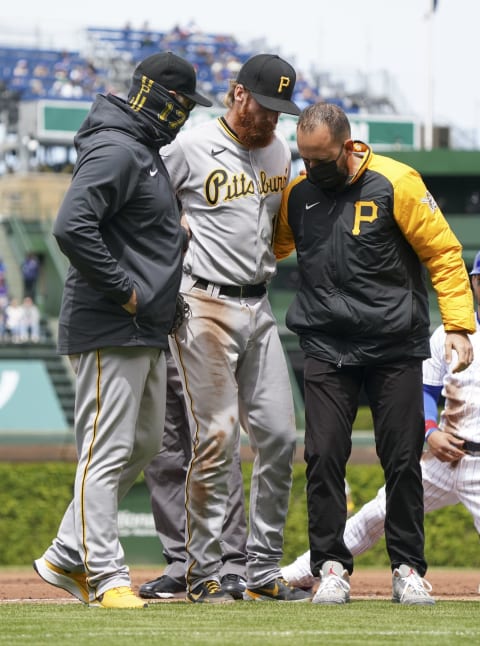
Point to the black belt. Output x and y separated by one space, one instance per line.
471 447
236 291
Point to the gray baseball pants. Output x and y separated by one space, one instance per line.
234 372
165 478
119 413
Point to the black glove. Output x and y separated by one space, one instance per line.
182 313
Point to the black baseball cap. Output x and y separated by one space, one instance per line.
173 73
271 81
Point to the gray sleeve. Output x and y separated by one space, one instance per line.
175 161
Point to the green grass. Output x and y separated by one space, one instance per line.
363 420
253 624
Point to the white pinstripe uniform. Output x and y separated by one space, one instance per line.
444 483
229 352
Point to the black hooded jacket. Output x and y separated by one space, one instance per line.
119 226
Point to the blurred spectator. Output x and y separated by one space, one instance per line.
64 61
29 321
147 36
36 87
307 96
473 203
3 319
21 68
13 320
127 30
30 272
3 292
64 87
41 70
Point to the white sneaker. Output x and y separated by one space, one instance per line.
409 588
298 573
334 584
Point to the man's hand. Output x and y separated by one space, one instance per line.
445 446
459 342
185 225
131 304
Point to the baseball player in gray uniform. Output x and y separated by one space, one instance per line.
451 463
119 227
229 175
165 478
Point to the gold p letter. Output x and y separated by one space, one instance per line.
284 82
361 211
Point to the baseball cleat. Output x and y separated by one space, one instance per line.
209 592
276 590
164 587
122 598
409 588
334 585
73 582
233 584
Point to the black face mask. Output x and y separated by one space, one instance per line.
327 176
158 107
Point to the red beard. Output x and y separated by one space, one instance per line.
253 130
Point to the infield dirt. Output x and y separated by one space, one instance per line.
25 585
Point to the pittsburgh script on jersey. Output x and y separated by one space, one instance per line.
221 186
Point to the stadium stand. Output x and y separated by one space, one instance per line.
109 55
35 73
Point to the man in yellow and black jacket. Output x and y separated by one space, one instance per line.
365 229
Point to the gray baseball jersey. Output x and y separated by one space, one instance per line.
229 353
230 196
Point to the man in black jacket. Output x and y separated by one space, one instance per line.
119 227
365 228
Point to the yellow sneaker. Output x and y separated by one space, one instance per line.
122 597
73 582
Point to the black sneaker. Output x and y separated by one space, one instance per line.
209 592
162 588
233 584
276 590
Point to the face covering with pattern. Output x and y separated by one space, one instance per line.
158 108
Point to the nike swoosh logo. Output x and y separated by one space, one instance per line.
195 595
310 206
218 152
153 172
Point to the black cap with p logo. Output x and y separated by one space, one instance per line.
271 82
